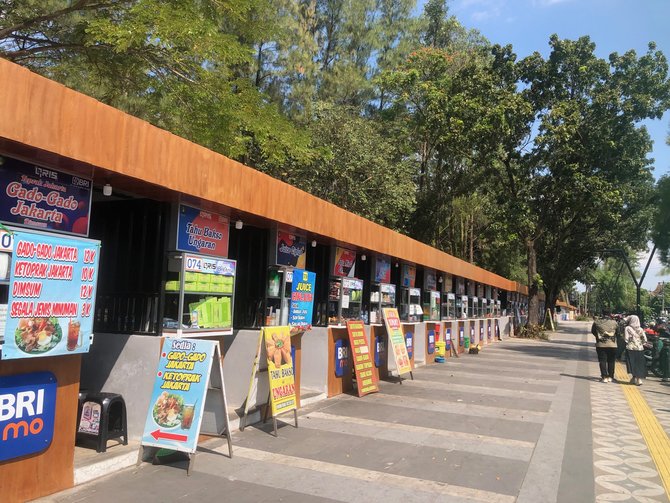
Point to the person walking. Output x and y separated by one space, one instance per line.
604 330
635 339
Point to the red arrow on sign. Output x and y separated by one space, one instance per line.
158 434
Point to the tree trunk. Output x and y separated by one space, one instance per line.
533 291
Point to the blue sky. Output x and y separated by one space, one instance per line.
613 25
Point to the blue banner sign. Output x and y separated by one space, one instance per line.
43 198
302 299
27 412
341 357
178 398
202 232
52 289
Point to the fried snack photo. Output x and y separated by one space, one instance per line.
279 349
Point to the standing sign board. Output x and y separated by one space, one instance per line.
397 339
178 398
43 198
302 300
274 345
365 377
51 300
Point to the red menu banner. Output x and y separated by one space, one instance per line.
365 377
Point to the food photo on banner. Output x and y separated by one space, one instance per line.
291 250
178 397
202 231
302 300
42 198
280 369
51 300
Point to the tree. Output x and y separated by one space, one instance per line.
661 233
361 169
583 179
181 65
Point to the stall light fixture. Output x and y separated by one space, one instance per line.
313 243
239 224
396 264
439 280
107 190
363 257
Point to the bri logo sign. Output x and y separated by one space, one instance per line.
27 412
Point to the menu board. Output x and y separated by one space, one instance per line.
51 301
397 339
302 299
202 231
178 397
43 198
280 369
365 377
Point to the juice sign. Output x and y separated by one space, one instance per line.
27 411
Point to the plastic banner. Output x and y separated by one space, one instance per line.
394 329
365 377
51 303
280 369
178 398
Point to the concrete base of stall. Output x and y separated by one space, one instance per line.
126 364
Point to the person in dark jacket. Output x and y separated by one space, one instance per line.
604 330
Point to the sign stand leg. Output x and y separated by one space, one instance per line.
267 408
191 462
140 455
295 416
411 375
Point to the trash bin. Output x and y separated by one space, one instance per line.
440 348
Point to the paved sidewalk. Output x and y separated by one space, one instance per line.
513 423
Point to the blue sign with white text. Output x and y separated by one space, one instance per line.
27 412
302 299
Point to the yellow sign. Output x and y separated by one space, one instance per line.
397 339
280 369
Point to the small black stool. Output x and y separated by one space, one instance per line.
113 419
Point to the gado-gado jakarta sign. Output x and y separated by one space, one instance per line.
43 198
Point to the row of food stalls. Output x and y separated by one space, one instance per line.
115 233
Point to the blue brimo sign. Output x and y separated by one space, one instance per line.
27 412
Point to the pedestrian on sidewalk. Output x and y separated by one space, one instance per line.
635 339
604 330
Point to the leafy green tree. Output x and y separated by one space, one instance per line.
583 181
361 169
661 233
182 65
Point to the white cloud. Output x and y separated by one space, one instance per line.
483 9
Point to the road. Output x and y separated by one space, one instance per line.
523 421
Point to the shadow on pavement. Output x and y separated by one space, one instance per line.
586 378
550 350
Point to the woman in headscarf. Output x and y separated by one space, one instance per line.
635 339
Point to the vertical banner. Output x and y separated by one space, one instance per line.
344 263
178 398
280 369
302 300
51 300
365 377
397 339
408 275
382 270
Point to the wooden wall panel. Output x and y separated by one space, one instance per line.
52 470
45 115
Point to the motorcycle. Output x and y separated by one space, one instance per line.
652 352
